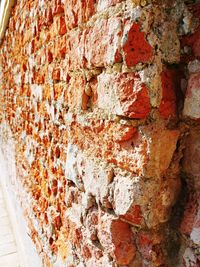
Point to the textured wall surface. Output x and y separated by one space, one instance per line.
102 98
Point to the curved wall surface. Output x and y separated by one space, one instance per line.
101 100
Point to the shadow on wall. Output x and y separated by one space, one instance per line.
12 190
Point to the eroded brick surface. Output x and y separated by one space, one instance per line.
102 100
123 94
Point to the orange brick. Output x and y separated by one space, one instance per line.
105 36
77 12
123 94
136 155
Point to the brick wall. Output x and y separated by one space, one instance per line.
190 223
102 98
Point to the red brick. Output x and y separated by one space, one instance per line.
102 45
190 225
77 12
62 26
144 241
92 224
94 256
77 97
38 76
49 56
55 28
134 216
137 154
78 236
195 9
167 106
192 98
97 131
123 94
191 41
62 48
117 239
59 48
121 133
58 7
135 46
149 245
49 16
56 74
12 24
58 90
196 46
75 50
32 45
39 25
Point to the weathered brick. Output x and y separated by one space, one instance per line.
105 36
85 172
55 27
132 197
125 192
77 12
49 16
190 225
77 97
58 90
76 50
56 74
92 224
60 48
62 26
78 234
116 237
104 4
49 56
150 153
167 106
196 45
100 164
58 7
135 46
192 98
192 42
123 94
149 245
37 76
